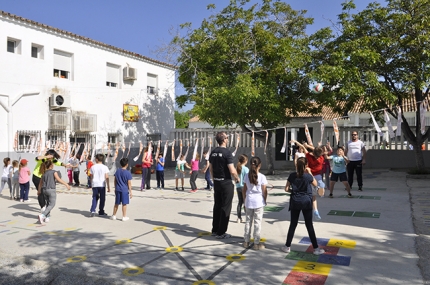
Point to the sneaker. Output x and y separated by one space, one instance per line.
319 251
47 220
162 189
176 189
331 195
246 244
104 214
258 246
21 200
239 221
193 191
285 249
124 219
213 234
43 209
92 214
223 236
182 189
41 218
349 195
26 201
317 216
113 217
360 188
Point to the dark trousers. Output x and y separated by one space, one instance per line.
193 179
223 195
24 189
146 178
208 179
358 167
240 202
99 193
41 197
307 214
159 174
76 177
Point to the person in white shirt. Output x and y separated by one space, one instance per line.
356 154
99 181
254 194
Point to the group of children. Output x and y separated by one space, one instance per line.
194 167
17 176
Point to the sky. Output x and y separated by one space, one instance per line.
142 26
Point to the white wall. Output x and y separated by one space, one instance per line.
20 73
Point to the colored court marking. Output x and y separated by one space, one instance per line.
362 197
206 282
261 239
342 243
370 188
122 241
279 194
312 267
12 222
5 221
273 209
334 259
174 249
329 250
133 271
77 258
341 213
301 278
4 231
367 214
321 241
12 233
25 229
159 228
203 234
235 257
31 225
300 255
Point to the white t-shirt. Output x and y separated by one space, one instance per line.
300 154
354 150
6 170
254 193
99 171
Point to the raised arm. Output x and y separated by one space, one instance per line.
299 145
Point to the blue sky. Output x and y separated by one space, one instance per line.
142 25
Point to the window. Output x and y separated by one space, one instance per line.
151 86
62 64
37 51
113 137
28 141
13 45
112 75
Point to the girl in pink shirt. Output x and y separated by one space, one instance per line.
24 180
194 173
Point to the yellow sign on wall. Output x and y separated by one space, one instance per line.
130 113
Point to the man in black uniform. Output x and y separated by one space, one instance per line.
222 169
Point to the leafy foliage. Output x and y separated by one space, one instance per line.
182 119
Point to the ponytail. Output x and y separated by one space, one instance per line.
45 166
243 158
253 172
301 166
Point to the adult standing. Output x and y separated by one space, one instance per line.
356 154
222 169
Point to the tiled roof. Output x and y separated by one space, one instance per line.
194 119
409 105
85 39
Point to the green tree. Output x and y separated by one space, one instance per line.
378 56
247 65
182 119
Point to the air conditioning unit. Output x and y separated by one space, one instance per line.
59 120
59 101
130 73
85 123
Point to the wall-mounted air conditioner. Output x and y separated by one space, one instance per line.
130 73
59 101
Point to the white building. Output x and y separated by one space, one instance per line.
59 86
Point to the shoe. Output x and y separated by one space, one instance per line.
285 249
258 246
76 185
349 195
317 216
183 189
246 244
21 200
92 214
43 209
11 197
213 234
331 195
193 191
124 219
41 218
223 236
360 188
113 218
319 251
26 201
239 221
176 189
143 190
47 220
162 189
104 214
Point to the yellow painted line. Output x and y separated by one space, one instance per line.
69 229
122 241
312 267
344 243
77 258
202 234
159 228
208 282
133 271
261 240
31 225
12 222
235 257
174 249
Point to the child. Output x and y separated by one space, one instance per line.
99 181
242 171
255 194
301 200
14 175
339 170
47 183
88 170
325 172
194 173
300 153
206 171
122 182
146 170
180 172
5 175
70 169
75 162
160 171
24 180
315 160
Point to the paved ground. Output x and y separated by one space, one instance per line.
369 239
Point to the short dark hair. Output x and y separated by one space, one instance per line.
100 157
220 137
123 161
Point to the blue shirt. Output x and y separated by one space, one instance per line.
339 165
159 166
122 177
243 172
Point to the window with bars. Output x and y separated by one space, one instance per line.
27 141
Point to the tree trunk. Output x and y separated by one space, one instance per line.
419 157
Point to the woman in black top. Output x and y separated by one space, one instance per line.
301 201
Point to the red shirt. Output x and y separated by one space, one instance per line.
314 164
147 165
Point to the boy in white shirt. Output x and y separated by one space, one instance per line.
99 181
